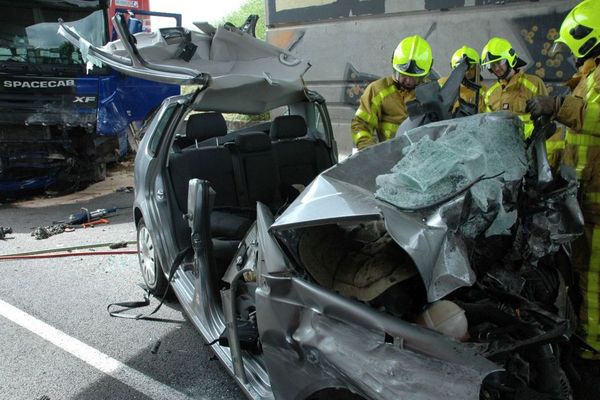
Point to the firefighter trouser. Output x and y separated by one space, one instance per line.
586 262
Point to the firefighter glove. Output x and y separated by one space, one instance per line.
544 105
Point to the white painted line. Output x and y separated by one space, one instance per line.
111 367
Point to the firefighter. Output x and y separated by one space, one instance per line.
383 104
580 113
468 92
513 87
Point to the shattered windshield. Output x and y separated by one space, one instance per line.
28 34
433 170
476 153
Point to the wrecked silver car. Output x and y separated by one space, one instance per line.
434 265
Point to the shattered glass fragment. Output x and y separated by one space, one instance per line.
84 48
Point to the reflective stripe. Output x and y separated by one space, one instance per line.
592 293
588 354
378 99
388 129
591 118
591 95
595 252
581 139
528 84
554 145
488 94
365 116
388 134
592 197
356 136
527 125
581 160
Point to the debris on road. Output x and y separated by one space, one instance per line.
85 218
125 189
44 232
155 347
117 245
5 231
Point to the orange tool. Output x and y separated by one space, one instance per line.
96 222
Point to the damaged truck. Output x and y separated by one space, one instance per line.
60 121
434 265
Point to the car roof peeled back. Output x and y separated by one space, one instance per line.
248 74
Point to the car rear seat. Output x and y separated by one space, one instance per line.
211 163
256 170
300 158
214 164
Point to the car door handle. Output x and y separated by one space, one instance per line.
160 194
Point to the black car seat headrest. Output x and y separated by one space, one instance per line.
288 127
253 142
205 126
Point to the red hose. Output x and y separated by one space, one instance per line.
57 255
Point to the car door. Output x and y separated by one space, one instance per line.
156 186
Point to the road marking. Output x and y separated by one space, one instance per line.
108 365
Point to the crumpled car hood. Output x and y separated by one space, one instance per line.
432 209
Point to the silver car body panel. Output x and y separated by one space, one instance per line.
314 339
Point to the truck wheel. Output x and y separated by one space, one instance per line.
152 272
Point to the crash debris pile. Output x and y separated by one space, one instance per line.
44 232
5 231
482 155
83 218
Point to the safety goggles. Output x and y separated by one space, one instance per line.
399 75
560 47
410 68
495 64
471 61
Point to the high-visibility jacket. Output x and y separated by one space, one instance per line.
382 109
468 95
580 112
555 147
512 95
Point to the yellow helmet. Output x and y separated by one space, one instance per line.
465 51
413 57
499 49
580 31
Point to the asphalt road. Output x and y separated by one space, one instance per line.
58 341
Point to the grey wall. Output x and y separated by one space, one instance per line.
346 52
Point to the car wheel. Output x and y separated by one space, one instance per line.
152 272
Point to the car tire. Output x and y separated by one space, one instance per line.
150 267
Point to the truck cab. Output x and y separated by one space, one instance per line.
62 121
